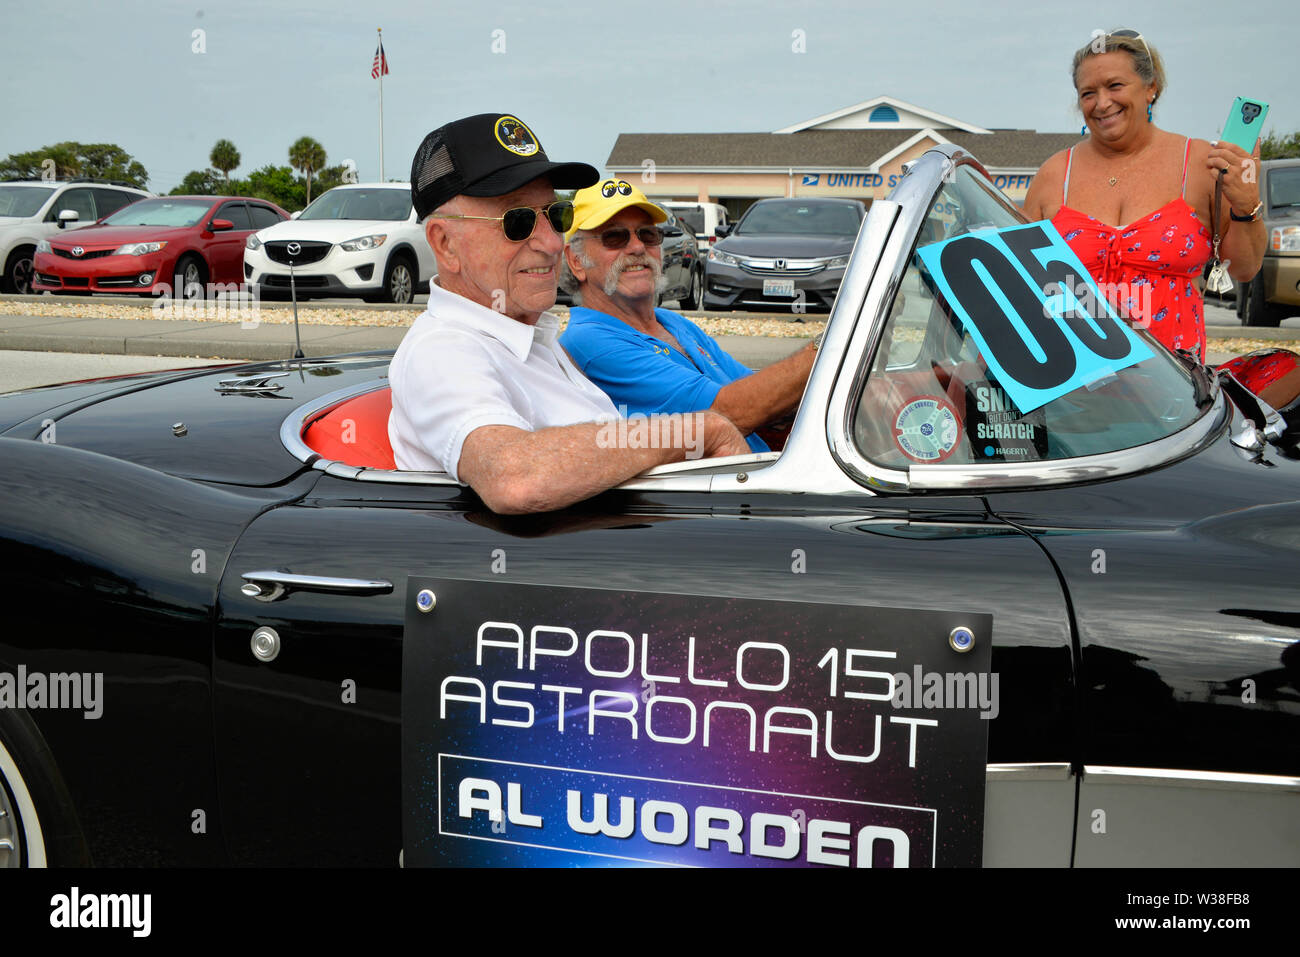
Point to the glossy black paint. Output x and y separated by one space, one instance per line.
1198 596
230 438
113 568
21 413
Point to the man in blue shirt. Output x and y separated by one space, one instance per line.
653 360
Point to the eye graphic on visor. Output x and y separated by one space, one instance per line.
612 186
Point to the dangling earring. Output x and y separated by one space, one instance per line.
1084 130
1149 105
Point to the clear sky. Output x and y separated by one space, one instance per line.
265 73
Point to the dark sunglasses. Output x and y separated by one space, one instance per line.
620 236
519 223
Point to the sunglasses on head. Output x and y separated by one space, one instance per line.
519 223
1131 35
619 236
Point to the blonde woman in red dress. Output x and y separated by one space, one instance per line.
1133 201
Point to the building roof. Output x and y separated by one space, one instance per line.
821 149
883 111
1012 149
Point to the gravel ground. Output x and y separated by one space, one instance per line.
276 313
342 316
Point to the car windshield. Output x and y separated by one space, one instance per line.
997 385
1284 186
160 212
801 219
392 204
23 200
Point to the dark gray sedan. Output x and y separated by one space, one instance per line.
783 254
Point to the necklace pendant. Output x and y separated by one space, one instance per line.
1113 181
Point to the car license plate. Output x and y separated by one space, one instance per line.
778 287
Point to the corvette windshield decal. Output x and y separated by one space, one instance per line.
1039 319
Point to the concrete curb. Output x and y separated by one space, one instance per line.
229 340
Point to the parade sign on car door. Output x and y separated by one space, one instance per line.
559 726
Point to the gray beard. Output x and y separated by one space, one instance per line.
621 264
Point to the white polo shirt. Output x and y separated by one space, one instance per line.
462 366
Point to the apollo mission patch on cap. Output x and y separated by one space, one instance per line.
489 154
514 135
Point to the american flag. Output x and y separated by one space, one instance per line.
380 65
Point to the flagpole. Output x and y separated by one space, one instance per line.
381 104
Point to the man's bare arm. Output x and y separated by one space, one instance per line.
767 394
515 471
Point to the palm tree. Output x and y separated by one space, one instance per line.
224 157
307 156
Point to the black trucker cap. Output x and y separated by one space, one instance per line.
490 154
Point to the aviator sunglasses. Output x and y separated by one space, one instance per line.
519 223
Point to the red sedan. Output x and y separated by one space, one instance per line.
156 246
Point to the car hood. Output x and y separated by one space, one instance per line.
229 438
789 247
327 230
88 235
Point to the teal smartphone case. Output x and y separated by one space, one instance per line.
1245 122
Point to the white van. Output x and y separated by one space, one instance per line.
703 219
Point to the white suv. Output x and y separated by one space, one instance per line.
702 219
34 209
355 240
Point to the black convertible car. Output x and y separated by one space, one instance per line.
1020 588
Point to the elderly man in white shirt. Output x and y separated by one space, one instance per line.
480 387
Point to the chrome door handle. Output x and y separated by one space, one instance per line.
272 585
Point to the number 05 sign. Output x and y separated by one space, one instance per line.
1021 293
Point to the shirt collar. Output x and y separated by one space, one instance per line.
667 318
516 336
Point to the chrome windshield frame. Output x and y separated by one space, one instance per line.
914 196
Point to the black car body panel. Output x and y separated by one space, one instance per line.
129 593
1218 539
231 417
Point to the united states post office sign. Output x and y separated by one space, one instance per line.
553 726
